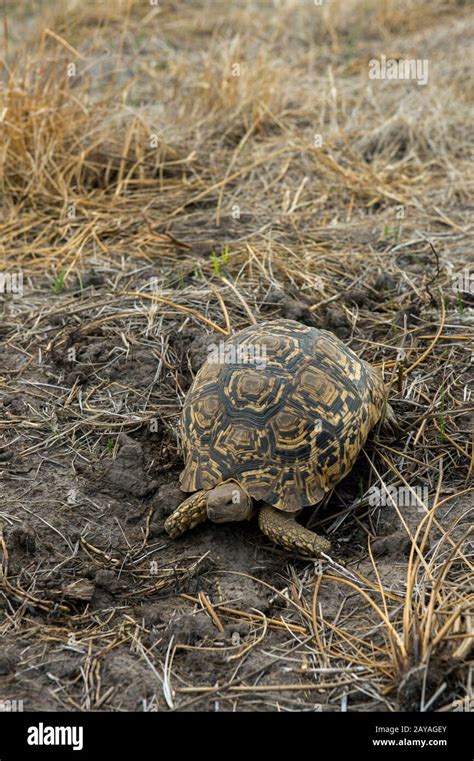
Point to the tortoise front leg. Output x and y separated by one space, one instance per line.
188 515
283 529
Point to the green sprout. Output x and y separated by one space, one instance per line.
220 260
225 254
391 231
58 283
215 263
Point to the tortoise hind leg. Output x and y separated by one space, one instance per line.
188 515
283 529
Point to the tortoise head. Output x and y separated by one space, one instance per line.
228 502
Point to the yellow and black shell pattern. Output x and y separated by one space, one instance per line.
281 408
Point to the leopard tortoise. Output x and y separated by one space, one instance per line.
274 433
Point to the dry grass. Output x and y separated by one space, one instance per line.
180 163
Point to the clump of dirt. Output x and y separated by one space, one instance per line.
290 307
126 471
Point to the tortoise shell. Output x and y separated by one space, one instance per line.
281 408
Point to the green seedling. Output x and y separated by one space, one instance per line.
57 286
220 260
459 302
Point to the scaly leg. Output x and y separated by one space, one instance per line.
283 529
189 514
